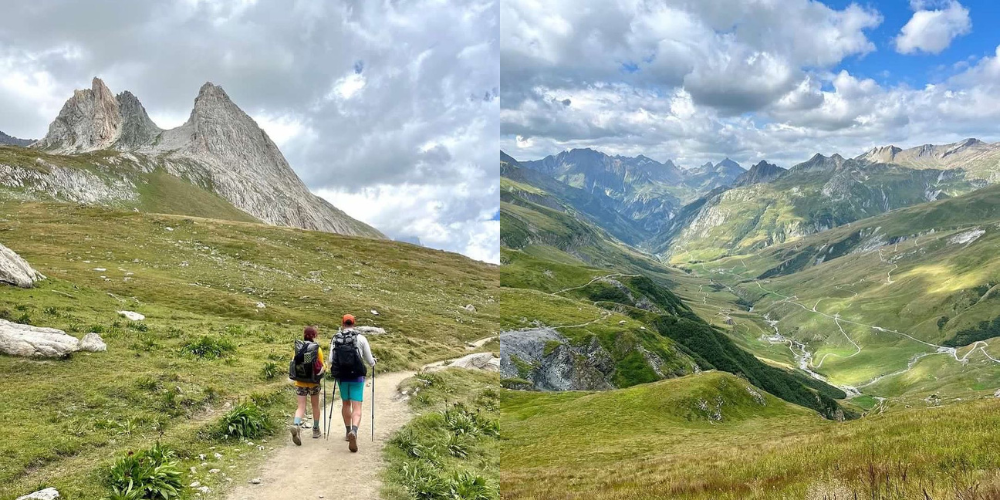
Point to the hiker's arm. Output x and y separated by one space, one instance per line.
366 350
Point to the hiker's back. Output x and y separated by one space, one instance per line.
306 365
345 362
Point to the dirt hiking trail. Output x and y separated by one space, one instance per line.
321 468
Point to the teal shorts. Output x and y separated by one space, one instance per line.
352 391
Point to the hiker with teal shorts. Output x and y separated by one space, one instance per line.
349 352
307 370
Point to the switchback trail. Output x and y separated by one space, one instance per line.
323 469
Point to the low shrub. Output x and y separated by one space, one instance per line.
270 370
209 348
246 421
150 474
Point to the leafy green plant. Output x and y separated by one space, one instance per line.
246 421
137 326
209 348
150 474
270 370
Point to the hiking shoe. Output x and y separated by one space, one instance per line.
352 438
295 435
316 433
347 436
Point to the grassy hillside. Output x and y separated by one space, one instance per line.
808 199
223 302
712 436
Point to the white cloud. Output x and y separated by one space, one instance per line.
399 76
346 87
932 31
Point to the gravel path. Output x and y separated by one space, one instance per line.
321 468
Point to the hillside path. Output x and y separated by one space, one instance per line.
321 468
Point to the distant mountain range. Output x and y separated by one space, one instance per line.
642 189
13 141
719 209
104 149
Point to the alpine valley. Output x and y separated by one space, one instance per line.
826 330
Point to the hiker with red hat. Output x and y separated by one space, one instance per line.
349 352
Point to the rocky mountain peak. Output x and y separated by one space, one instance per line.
89 120
760 173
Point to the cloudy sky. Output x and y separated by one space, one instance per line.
389 109
696 81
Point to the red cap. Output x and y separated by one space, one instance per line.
348 320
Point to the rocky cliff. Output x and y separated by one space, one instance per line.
13 141
220 149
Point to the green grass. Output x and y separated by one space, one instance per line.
706 437
66 419
450 449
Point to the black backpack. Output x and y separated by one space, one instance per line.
345 362
305 366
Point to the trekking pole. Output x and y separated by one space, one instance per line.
322 382
373 403
333 399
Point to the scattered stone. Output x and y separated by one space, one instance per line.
471 308
204 489
485 361
213 471
32 341
195 484
260 305
46 494
369 330
93 342
374 312
255 480
169 228
132 316
15 271
100 269
622 322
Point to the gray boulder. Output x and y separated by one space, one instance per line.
15 271
93 342
46 494
36 342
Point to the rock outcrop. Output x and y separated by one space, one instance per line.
93 342
15 271
546 359
220 148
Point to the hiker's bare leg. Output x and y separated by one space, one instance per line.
356 411
315 404
301 411
345 410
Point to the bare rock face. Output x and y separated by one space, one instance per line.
15 271
137 129
247 168
35 342
485 361
14 141
90 120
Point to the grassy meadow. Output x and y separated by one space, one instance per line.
708 436
223 302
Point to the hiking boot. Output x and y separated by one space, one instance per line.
295 435
352 438
316 433
347 436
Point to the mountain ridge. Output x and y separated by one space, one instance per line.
219 148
